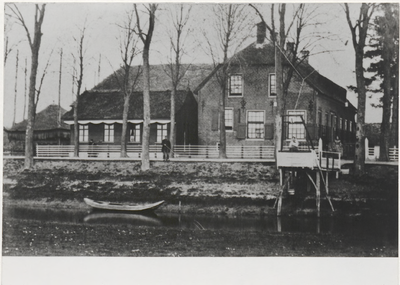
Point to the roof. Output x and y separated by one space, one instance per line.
159 79
321 83
108 105
264 54
45 120
255 54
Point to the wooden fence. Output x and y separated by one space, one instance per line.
135 151
372 153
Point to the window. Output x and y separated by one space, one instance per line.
255 124
296 126
319 117
229 119
345 125
134 133
351 126
272 85
108 133
83 133
327 118
162 132
340 123
236 86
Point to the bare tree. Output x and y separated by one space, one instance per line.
16 87
231 23
80 45
128 49
359 33
8 47
146 39
278 37
34 44
179 16
26 86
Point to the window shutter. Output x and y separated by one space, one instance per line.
241 131
269 131
311 131
236 119
214 120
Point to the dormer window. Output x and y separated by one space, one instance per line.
272 85
235 85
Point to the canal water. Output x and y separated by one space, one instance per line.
374 226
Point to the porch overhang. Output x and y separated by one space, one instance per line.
109 122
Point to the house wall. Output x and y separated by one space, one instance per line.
256 97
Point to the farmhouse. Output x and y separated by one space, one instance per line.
100 109
250 101
100 117
250 104
48 130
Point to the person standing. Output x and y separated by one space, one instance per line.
294 144
166 148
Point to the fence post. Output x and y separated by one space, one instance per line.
376 152
366 144
320 150
242 152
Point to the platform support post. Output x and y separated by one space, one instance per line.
318 193
279 209
327 183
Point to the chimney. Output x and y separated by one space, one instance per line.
290 46
261 32
304 55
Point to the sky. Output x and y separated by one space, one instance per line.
332 55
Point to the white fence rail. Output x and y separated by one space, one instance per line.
372 153
135 151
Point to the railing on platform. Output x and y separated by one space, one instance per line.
135 151
329 160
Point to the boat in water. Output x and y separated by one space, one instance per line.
112 206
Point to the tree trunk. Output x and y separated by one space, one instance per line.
15 88
279 100
394 141
172 129
26 87
146 110
359 159
385 125
35 46
31 110
76 128
222 132
125 125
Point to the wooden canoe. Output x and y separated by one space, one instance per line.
111 206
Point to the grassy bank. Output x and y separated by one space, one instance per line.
208 187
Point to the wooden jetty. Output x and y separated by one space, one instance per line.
315 164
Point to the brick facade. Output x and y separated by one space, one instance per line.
316 97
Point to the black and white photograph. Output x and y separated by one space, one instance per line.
200 143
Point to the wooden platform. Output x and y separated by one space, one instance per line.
303 159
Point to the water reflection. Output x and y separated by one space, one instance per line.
366 226
135 219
